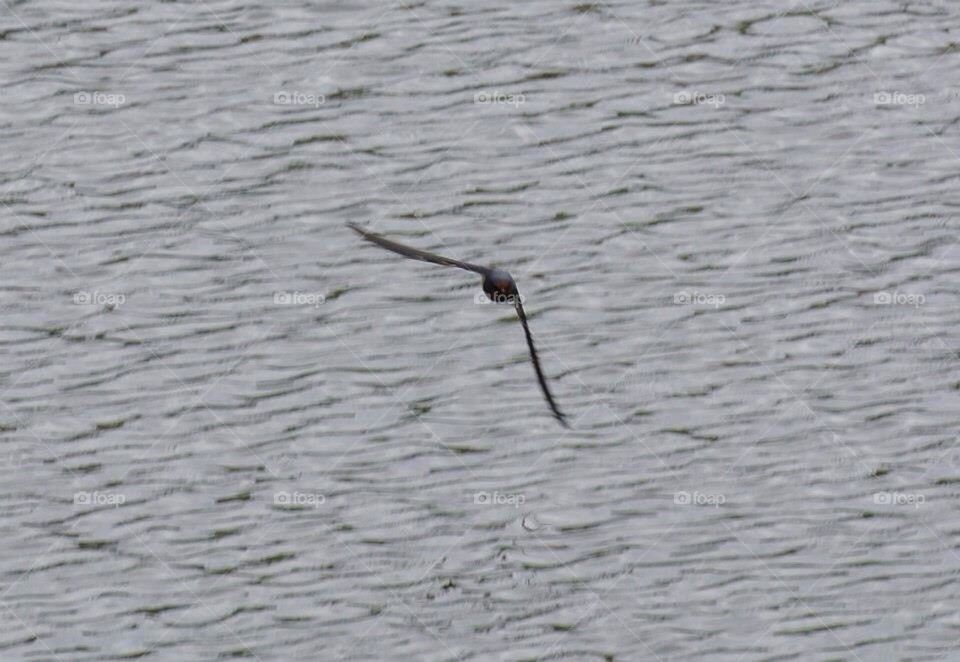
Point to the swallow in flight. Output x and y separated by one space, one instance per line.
499 287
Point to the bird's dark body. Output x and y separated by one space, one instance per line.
499 287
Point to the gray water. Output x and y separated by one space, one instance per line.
230 428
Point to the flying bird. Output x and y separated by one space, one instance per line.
499 287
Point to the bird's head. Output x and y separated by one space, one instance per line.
500 287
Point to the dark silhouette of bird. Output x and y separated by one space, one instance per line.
499 287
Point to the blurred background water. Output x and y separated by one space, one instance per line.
232 429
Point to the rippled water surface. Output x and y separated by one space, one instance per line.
231 428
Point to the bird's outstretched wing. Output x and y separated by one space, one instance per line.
560 416
416 253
